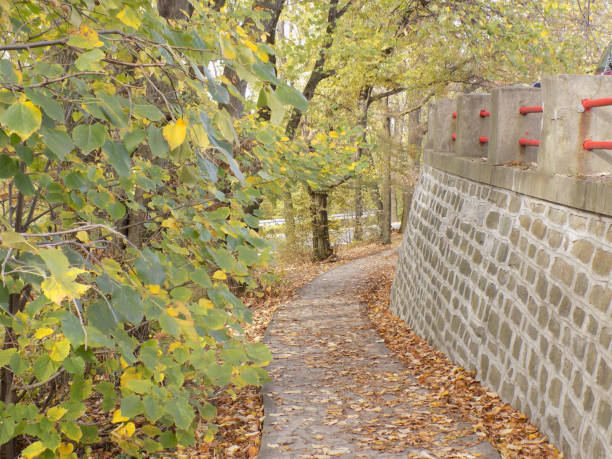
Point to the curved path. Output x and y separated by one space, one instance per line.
338 391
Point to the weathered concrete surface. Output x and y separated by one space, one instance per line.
593 194
441 125
338 391
471 126
565 125
508 125
519 290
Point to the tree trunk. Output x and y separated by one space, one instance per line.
289 215
406 201
415 137
385 228
358 227
320 226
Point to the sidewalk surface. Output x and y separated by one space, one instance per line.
338 391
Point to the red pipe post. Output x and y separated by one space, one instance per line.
484 113
529 143
482 139
596 145
454 115
454 136
534 109
590 103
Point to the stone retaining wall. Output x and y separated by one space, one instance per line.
518 289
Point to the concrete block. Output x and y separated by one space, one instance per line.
441 126
471 126
566 125
508 125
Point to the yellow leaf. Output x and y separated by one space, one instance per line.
206 303
129 18
126 430
65 449
85 38
155 289
33 450
60 350
227 49
175 345
123 363
252 46
118 417
263 56
82 236
219 275
42 332
55 413
175 133
172 312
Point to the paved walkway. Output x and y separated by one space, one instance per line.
338 391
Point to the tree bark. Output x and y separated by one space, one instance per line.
415 137
385 228
320 225
289 216
358 226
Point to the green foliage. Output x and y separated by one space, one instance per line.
123 235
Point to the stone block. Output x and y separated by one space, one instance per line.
583 250
563 271
602 262
566 125
441 126
508 125
471 126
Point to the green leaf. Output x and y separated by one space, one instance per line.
111 107
88 137
24 184
5 356
153 410
157 143
71 430
247 255
8 166
131 406
101 317
133 139
8 72
50 106
181 411
90 60
71 327
118 157
258 352
128 304
149 268
291 96
249 375
44 367
148 111
80 388
169 324
57 141
200 276
22 118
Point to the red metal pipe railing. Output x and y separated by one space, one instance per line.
454 136
533 109
454 115
596 145
590 103
482 139
529 143
484 113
